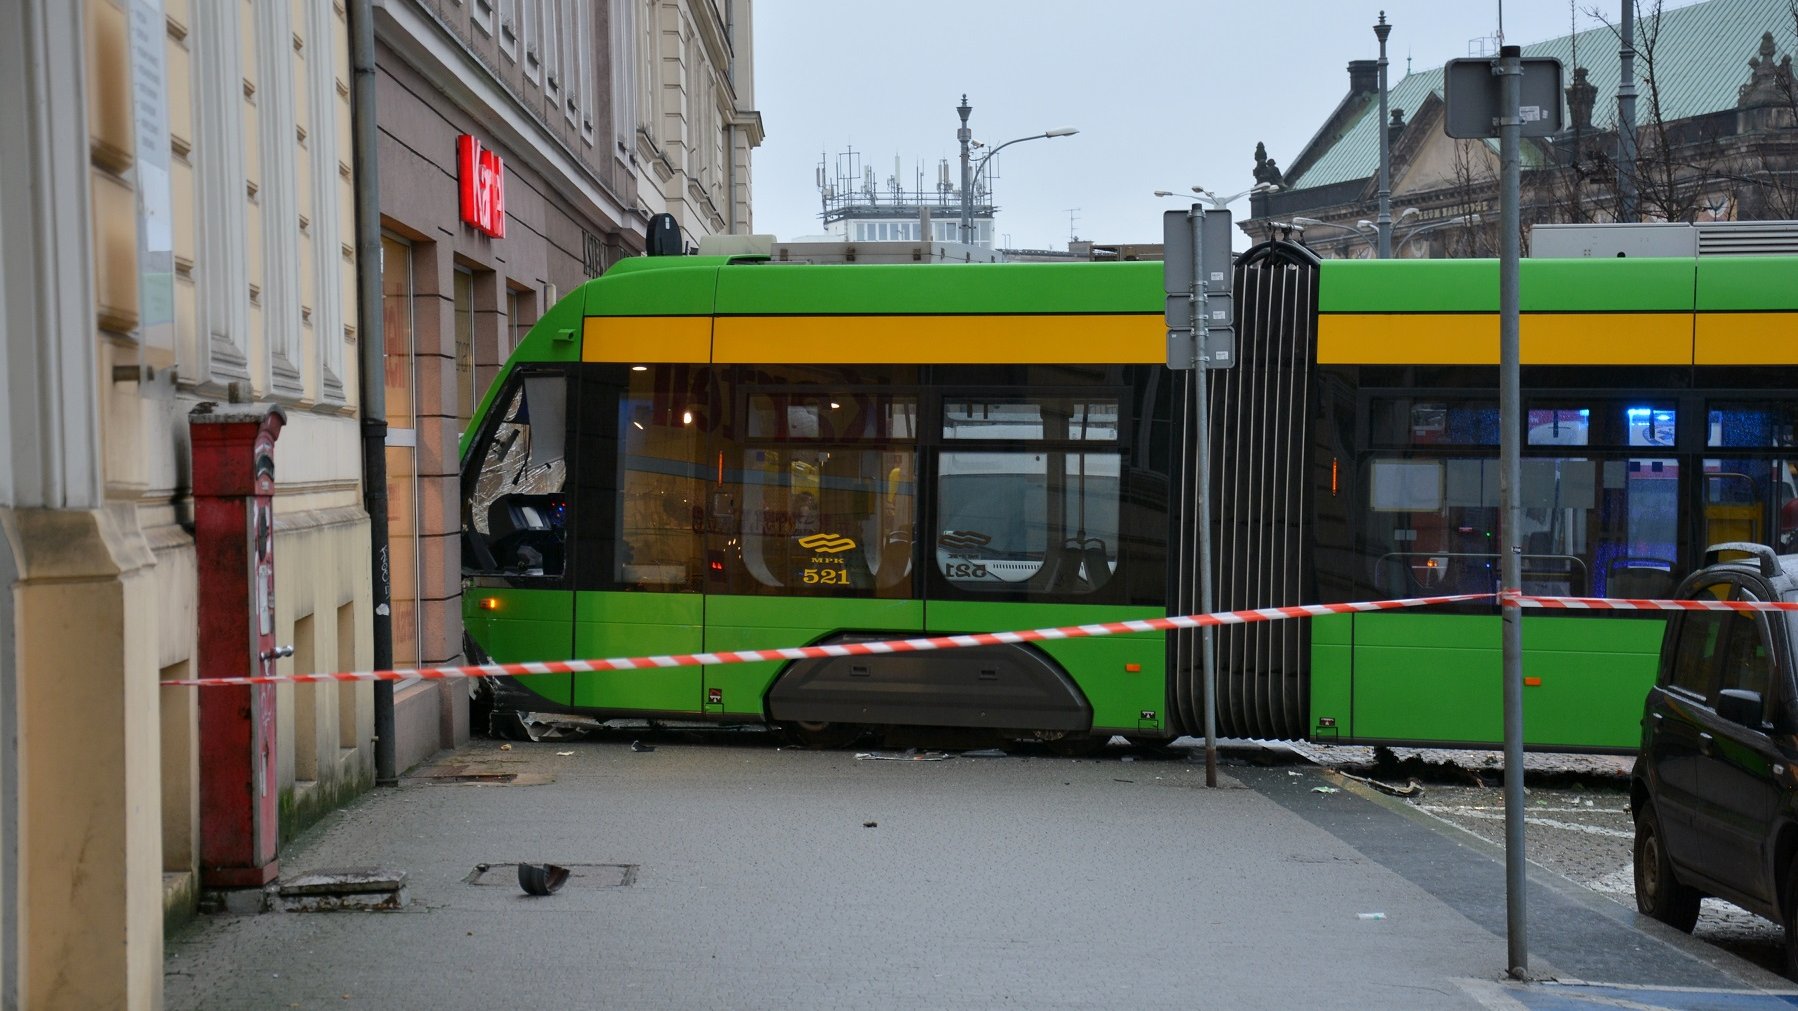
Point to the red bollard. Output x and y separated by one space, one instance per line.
234 537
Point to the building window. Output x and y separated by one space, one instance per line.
508 29
518 319
649 64
530 37
402 447
463 298
625 57
549 14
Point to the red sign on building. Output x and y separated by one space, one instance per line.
483 181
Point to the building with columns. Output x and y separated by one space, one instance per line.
1716 139
176 223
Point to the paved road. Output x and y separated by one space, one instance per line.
765 877
1577 824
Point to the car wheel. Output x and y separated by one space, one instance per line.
1658 893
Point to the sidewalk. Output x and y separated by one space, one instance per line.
731 873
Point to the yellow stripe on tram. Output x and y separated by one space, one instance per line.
646 339
1746 338
1472 338
949 340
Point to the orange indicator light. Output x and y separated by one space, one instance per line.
1533 682
489 603
1333 485
1133 668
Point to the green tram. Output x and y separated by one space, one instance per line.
702 453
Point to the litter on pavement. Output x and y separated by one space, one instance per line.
908 755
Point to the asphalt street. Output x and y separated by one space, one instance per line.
721 870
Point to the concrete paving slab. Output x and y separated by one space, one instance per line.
786 878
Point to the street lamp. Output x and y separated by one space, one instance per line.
1361 229
970 175
1206 196
1435 226
1384 222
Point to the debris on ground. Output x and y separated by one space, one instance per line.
1325 789
640 746
564 754
505 747
541 879
908 755
870 824
1370 916
1412 787
984 753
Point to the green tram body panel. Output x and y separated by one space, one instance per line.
524 625
617 624
1436 679
1098 664
742 622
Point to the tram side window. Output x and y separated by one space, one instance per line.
1752 499
1042 519
661 484
1590 526
515 516
819 498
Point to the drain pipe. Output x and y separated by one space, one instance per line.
371 381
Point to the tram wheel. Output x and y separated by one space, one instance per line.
823 736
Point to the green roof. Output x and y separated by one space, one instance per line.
1702 52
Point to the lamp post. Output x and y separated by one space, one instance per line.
970 174
1384 221
1435 226
1206 196
1361 229
964 135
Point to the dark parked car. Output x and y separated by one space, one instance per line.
1715 786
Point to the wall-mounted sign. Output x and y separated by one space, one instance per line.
483 182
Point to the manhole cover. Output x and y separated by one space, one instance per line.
580 875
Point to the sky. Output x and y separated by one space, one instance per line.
1166 94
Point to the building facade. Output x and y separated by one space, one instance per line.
175 226
524 146
1716 130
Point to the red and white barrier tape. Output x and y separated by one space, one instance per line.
849 649
1621 604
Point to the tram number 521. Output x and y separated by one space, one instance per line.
964 570
827 577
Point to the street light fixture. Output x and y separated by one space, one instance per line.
1435 226
1362 229
970 172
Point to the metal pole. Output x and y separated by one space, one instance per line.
1202 469
967 196
372 388
1384 219
1626 115
1510 479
